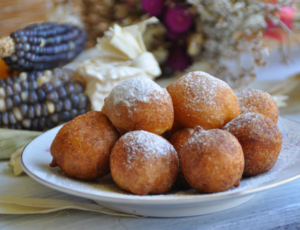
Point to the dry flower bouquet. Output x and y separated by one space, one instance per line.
219 36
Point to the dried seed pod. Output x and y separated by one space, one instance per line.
54 118
9 103
41 94
35 124
5 120
44 110
58 106
16 88
42 123
73 113
24 85
16 100
42 46
2 92
32 97
64 116
12 119
62 93
18 114
52 96
30 113
67 105
8 90
50 124
26 123
24 109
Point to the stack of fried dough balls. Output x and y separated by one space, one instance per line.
142 162
211 141
211 159
199 99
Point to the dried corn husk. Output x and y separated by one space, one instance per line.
15 162
288 88
18 205
11 140
122 54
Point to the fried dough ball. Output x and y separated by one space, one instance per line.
178 140
201 99
260 139
257 101
212 160
175 128
166 135
142 162
82 147
140 104
121 132
169 133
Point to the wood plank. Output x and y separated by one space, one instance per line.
16 14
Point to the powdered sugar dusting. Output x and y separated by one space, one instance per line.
146 143
253 100
286 167
202 88
200 137
243 120
135 90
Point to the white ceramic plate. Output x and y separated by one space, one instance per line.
36 158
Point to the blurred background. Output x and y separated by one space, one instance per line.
178 43
191 35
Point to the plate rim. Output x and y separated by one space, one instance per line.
133 198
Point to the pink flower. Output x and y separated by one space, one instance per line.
286 15
173 35
178 58
153 7
178 19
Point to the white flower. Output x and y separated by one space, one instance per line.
204 14
255 22
223 7
211 45
238 6
194 2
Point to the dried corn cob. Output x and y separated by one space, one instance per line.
42 46
40 100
